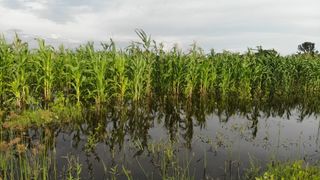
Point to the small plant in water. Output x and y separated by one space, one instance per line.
74 168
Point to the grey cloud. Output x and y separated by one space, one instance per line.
221 24
60 11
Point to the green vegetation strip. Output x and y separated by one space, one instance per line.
46 77
295 170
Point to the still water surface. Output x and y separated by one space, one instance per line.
217 144
210 141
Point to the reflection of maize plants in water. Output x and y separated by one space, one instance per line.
135 122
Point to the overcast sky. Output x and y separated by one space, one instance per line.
220 24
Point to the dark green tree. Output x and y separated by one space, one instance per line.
307 47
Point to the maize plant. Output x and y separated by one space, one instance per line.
19 73
120 80
87 76
138 71
76 74
44 61
99 70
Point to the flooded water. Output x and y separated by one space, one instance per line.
207 141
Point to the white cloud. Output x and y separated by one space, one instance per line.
219 24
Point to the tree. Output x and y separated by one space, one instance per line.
265 52
307 47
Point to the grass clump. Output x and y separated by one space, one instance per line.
294 171
28 118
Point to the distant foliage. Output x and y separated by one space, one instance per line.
307 47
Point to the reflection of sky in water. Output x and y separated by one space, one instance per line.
228 24
276 138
